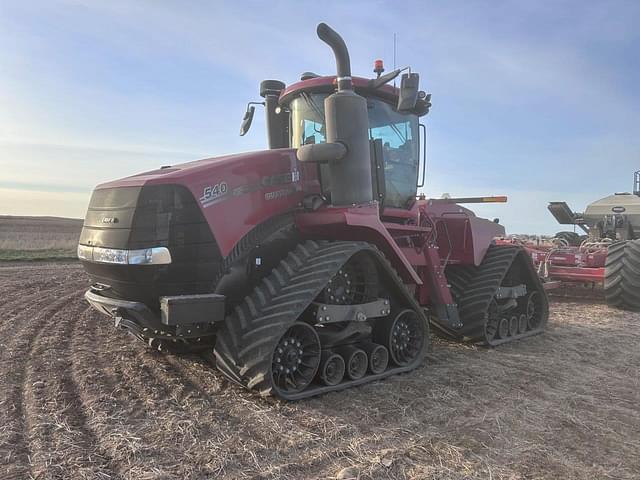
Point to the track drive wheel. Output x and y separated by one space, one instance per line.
356 282
622 275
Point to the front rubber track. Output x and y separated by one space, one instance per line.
245 344
622 275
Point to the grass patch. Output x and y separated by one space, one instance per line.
11 255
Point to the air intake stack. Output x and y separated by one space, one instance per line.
347 123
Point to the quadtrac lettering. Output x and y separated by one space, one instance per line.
218 192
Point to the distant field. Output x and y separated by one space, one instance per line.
38 238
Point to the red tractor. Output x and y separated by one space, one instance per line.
311 266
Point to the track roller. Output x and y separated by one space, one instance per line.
378 357
332 368
522 323
355 360
513 325
503 327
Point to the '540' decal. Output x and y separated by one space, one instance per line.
213 192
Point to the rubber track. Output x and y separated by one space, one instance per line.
482 288
245 344
622 275
458 277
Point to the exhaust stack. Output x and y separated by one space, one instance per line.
343 62
347 122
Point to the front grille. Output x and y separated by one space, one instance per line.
151 216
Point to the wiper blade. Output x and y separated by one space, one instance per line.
398 132
313 105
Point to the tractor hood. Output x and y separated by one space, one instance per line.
193 213
232 193
187 172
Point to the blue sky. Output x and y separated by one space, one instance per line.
536 100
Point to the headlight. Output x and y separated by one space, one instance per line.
109 255
145 256
85 252
150 256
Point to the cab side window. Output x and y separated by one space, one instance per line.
399 135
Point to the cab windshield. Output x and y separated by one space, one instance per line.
397 131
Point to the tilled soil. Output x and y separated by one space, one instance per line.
80 399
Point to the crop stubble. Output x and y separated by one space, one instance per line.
79 399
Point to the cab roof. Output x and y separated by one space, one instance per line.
361 86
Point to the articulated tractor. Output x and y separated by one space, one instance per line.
312 266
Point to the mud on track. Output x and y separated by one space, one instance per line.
79 399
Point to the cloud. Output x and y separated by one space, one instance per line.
536 100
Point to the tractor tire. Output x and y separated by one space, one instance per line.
622 275
572 239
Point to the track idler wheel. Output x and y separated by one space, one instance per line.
332 368
378 358
356 362
403 335
296 359
534 310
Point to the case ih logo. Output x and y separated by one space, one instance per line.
618 209
109 220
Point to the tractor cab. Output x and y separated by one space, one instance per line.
398 133
296 118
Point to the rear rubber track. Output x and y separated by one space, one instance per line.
481 288
622 275
244 346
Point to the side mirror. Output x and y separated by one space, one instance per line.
409 86
246 120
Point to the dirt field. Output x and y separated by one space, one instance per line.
79 399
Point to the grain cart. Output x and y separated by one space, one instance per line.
607 254
311 266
